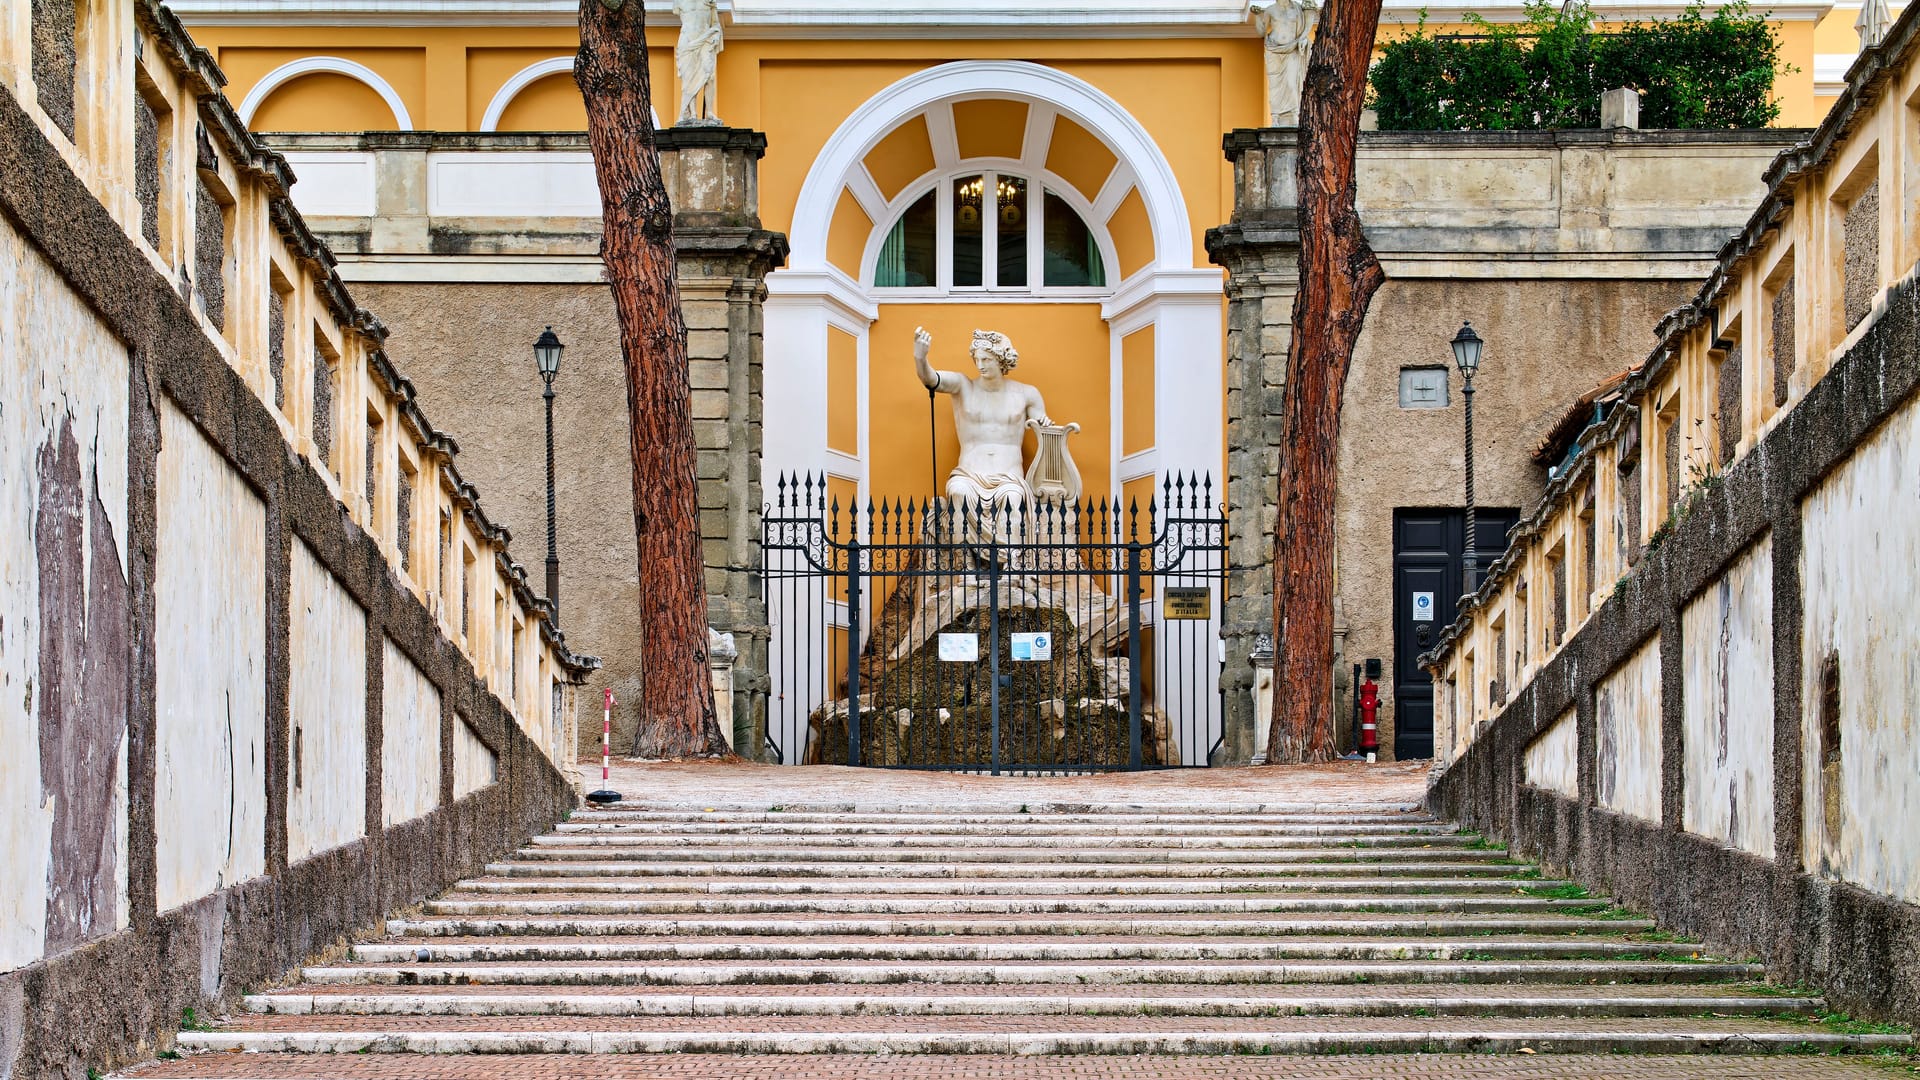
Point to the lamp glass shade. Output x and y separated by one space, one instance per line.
1466 349
546 353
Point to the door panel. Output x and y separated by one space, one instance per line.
1428 552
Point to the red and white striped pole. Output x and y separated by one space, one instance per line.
606 794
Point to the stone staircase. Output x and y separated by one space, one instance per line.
1097 929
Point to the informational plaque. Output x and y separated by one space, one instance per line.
960 647
1186 602
1423 607
1037 646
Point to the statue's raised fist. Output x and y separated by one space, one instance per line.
922 343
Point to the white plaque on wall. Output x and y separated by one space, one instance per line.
960 647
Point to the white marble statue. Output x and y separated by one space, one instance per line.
990 414
1287 26
696 58
1873 22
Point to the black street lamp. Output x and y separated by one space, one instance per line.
1466 355
546 353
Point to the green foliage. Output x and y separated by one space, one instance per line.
1693 71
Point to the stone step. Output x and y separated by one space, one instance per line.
546 865
1493 1000
1036 827
1069 923
808 842
1085 974
705 856
1402 886
694 945
999 905
1047 1035
965 809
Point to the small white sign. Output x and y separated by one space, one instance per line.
1033 646
1423 607
960 647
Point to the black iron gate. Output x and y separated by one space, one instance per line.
1056 637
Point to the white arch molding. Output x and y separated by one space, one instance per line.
313 65
525 77
1035 84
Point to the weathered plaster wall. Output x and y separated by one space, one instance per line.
469 348
1626 713
64 617
150 499
1552 762
1727 634
410 745
327 711
1829 489
1548 342
210 693
1860 665
474 763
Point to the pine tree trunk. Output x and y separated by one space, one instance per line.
1338 277
676 697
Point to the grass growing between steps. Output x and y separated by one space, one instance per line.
1564 891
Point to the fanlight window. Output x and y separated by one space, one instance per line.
990 230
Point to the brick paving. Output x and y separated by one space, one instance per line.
738 920
749 786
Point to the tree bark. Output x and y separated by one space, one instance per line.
1338 277
676 695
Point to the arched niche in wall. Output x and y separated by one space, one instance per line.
540 97
324 93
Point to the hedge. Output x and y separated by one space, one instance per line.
1692 71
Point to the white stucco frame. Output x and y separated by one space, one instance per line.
313 65
1183 302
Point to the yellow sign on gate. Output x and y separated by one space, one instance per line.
1186 602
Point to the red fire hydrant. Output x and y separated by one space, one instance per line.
1369 719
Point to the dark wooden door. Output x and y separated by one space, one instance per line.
1428 548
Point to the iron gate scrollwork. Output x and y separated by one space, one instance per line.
1058 636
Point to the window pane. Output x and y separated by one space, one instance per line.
908 257
1012 192
1072 256
969 228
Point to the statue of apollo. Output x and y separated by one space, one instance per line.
991 415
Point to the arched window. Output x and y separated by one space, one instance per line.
990 231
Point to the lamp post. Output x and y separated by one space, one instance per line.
1466 356
546 353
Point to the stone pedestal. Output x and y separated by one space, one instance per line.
712 178
1260 248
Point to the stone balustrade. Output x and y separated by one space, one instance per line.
1690 679
147 128
271 670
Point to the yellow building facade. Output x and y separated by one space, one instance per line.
1052 173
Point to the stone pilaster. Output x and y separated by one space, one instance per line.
712 177
1260 249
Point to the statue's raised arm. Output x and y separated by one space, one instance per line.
945 382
